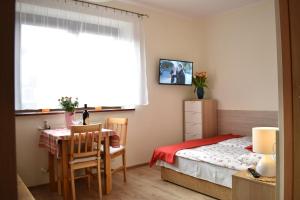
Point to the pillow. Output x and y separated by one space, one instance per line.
241 142
249 148
114 141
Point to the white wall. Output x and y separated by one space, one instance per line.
159 123
241 57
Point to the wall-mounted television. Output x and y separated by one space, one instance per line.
175 72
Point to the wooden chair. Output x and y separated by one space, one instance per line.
119 125
84 154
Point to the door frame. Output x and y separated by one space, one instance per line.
287 13
8 185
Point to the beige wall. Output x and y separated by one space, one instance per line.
159 123
241 58
238 50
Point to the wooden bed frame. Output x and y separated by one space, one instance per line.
229 121
199 185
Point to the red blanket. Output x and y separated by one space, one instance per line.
167 153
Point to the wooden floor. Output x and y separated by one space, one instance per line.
143 183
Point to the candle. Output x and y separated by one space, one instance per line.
98 108
44 110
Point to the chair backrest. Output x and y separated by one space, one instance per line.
119 125
83 140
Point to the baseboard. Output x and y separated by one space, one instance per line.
138 165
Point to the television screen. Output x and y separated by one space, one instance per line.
175 72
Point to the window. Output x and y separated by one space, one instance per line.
97 58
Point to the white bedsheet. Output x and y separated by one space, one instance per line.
215 163
229 153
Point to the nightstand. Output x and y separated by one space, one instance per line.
245 187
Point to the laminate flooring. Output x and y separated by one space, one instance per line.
143 183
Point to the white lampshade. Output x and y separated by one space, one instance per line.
264 139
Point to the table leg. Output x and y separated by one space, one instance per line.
108 182
64 163
51 170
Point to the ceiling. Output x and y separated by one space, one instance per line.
193 8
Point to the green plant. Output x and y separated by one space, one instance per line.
199 80
68 104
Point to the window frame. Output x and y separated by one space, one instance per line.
33 112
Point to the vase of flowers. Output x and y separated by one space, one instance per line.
68 105
199 81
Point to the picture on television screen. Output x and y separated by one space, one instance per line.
175 72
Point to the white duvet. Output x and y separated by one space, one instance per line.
229 153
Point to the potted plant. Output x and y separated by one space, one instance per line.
68 105
199 81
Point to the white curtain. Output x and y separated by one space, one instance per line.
64 48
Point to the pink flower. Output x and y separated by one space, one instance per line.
201 74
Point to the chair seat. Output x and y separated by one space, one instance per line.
113 150
80 160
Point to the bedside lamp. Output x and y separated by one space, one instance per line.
264 140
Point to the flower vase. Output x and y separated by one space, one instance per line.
69 117
200 92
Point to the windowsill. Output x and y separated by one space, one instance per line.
32 113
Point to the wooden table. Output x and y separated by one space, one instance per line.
55 139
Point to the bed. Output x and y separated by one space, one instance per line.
214 180
209 169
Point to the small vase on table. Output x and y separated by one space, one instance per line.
200 82
69 117
68 105
200 92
